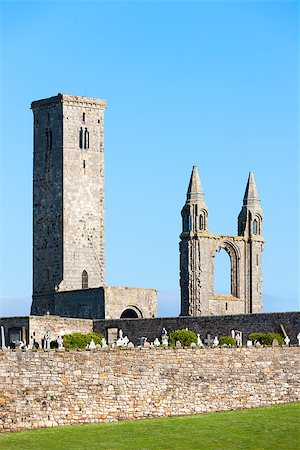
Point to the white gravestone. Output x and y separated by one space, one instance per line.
104 343
156 342
199 341
216 341
60 342
47 340
91 345
2 338
287 341
298 338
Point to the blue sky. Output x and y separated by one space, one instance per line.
213 84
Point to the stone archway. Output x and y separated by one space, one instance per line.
131 312
234 254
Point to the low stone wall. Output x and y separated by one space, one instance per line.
49 388
213 325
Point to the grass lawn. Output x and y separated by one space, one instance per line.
275 427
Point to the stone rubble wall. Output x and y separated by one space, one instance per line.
50 388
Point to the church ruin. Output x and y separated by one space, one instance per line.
198 247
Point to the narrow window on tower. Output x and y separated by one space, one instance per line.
257 259
255 227
86 138
80 138
50 140
85 280
190 223
201 222
83 117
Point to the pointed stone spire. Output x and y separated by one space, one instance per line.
195 192
251 199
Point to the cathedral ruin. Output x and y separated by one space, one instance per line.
198 247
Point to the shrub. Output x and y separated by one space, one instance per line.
54 344
80 340
266 339
228 340
186 337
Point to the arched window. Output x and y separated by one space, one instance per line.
85 280
190 223
255 227
201 222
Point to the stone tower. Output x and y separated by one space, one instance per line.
197 251
68 197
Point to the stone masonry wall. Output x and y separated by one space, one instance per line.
214 325
49 388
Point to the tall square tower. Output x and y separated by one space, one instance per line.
68 197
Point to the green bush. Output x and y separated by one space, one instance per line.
80 340
54 344
228 340
186 337
266 339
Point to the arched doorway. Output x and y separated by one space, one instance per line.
131 312
234 256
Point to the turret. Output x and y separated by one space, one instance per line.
251 215
194 213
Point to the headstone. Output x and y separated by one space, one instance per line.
60 342
2 338
91 345
199 341
257 344
104 343
233 334
193 345
209 340
142 341
164 332
146 344
178 344
239 338
156 342
47 340
275 343
216 341
249 343
298 338
165 341
287 341
125 341
130 345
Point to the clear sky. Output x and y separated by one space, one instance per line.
212 84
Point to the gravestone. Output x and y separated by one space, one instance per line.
209 340
275 343
2 338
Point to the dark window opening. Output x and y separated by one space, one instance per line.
226 306
85 280
201 222
48 139
83 117
190 223
257 259
84 163
129 314
255 227
80 138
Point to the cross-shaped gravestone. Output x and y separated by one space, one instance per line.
209 340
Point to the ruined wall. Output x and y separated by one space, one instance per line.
214 325
119 298
49 388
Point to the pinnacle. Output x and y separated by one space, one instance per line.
251 197
195 191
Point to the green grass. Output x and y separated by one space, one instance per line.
275 427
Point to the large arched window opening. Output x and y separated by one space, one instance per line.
132 312
85 280
222 272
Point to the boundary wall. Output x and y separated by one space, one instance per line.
50 388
